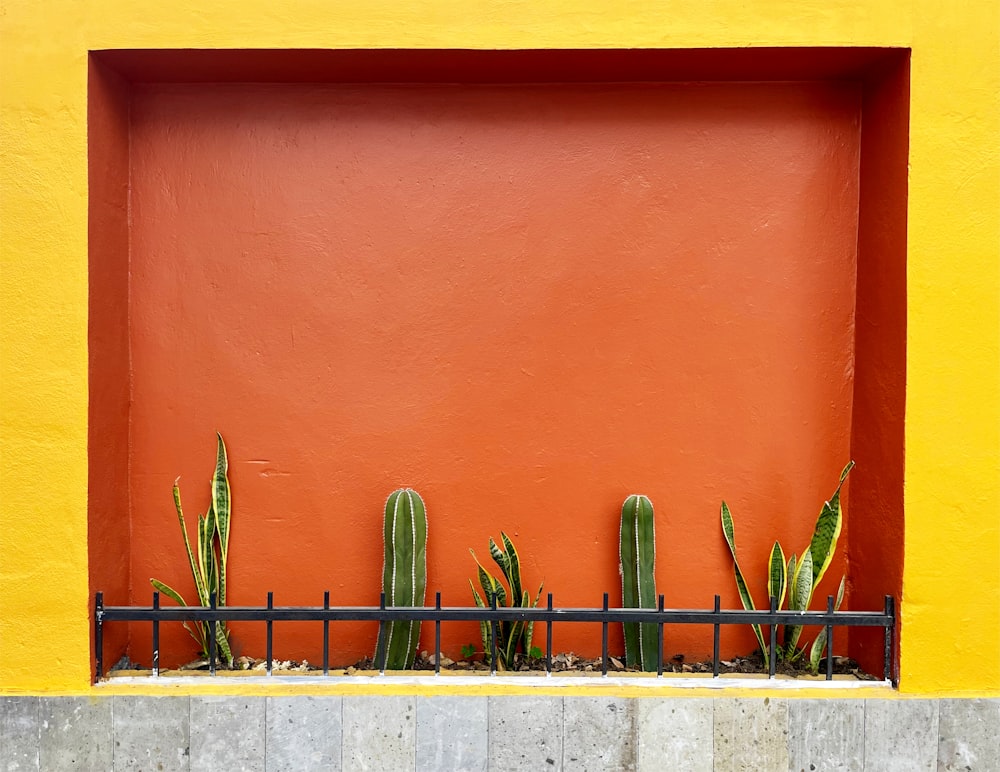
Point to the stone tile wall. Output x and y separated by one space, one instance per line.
452 733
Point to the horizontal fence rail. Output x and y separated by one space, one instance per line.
548 616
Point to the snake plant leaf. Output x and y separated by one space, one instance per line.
798 600
827 531
206 555
500 558
199 583
513 563
222 512
802 584
816 652
169 591
529 629
222 639
776 577
492 588
511 638
221 496
196 631
790 574
746 598
484 627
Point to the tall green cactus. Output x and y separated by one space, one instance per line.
637 551
404 576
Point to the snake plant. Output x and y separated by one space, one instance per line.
209 570
796 580
511 635
637 556
404 576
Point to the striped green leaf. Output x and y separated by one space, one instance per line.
827 531
196 631
484 628
746 598
222 506
798 600
776 577
816 652
790 574
199 582
513 565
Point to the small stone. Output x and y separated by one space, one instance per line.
687 669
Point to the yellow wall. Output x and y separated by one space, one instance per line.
951 592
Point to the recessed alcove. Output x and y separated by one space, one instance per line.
526 283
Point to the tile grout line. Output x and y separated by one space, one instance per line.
562 730
38 733
864 734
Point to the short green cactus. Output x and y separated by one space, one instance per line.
637 552
404 576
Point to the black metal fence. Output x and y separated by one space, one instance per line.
605 616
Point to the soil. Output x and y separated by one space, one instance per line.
566 662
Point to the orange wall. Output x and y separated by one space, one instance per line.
875 551
108 526
525 301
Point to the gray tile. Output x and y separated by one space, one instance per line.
152 733
826 735
751 733
227 733
452 734
598 733
901 735
19 725
75 733
379 733
969 735
526 733
675 733
303 733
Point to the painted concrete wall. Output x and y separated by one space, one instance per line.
952 429
524 301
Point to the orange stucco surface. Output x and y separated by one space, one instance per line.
525 301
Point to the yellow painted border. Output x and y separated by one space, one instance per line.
951 588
